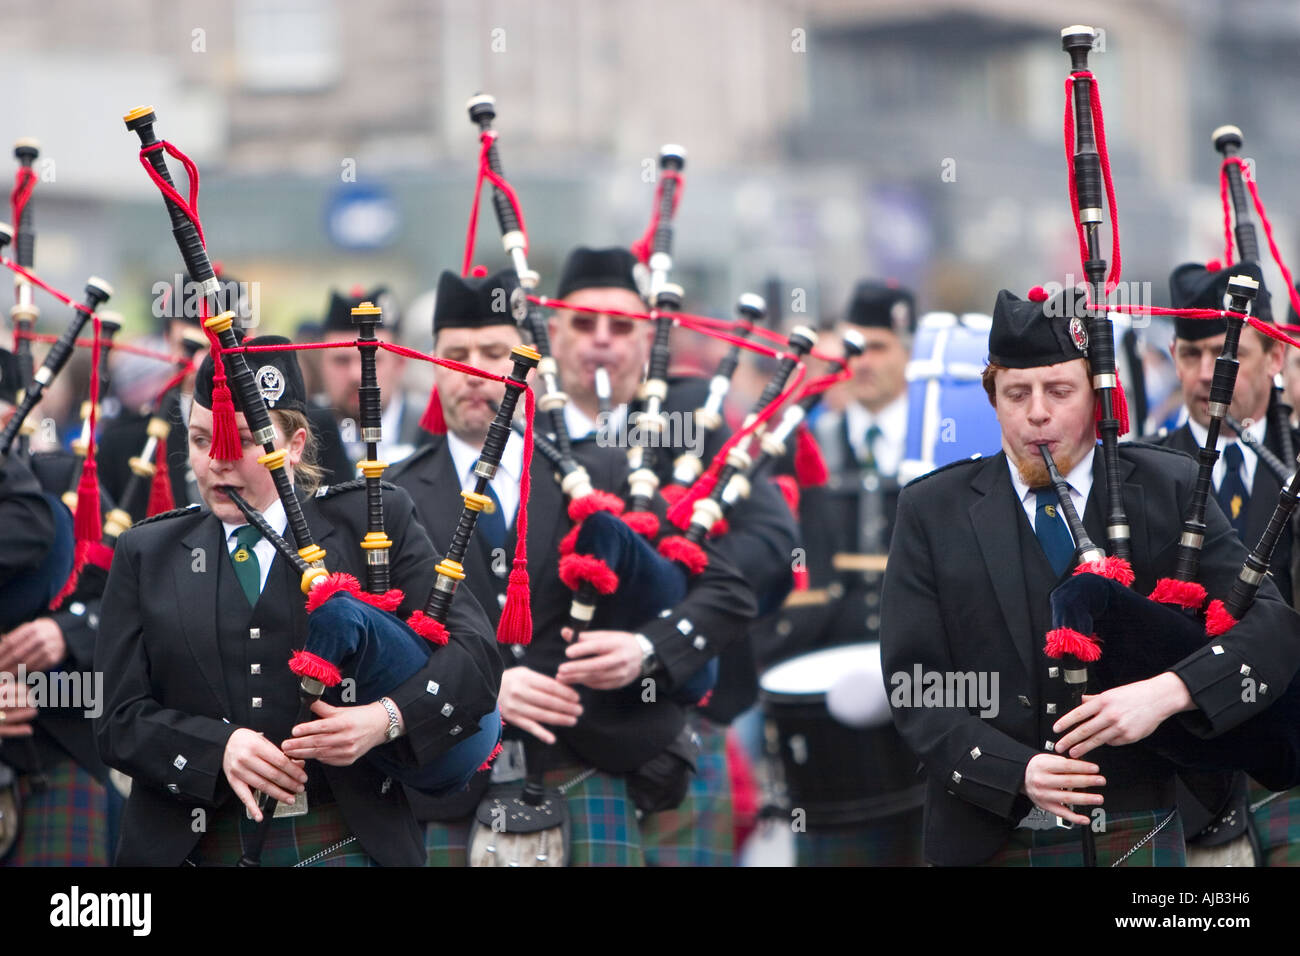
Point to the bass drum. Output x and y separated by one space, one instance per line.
948 415
827 726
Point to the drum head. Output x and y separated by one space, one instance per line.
848 680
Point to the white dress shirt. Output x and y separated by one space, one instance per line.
1079 479
264 549
888 448
1248 458
506 482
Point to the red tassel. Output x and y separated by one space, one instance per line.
1116 569
307 664
581 508
1214 265
1186 594
89 523
225 431
579 569
809 465
330 586
1218 620
801 578
516 624
686 551
433 421
427 627
1064 641
789 488
680 513
1120 404
644 523
160 486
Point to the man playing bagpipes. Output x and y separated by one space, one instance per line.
604 700
760 541
978 548
1216 807
201 614
52 796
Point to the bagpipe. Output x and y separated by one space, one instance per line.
351 632
1104 633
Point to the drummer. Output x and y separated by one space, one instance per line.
846 527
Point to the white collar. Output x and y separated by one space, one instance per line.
464 455
1079 479
891 420
274 515
1255 430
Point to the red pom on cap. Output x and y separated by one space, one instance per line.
1214 265
479 272
1037 294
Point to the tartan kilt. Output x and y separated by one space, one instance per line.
700 831
889 841
1061 847
66 824
602 819
1277 824
290 840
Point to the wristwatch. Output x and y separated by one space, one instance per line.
649 659
394 729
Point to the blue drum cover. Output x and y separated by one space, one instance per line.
948 415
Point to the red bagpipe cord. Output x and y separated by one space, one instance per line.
485 172
1099 125
225 432
641 248
1249 180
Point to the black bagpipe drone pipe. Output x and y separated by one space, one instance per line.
25 311
576 484
1228 141
664 299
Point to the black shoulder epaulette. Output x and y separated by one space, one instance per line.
422 452
174 513
329 491
942 468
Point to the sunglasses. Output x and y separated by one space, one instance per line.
586 324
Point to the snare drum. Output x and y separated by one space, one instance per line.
827 725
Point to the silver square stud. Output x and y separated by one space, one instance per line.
699 642
685 626
254 633
975 753
254 669
447 709
257 702
180 762
956 777
1051 708
432 687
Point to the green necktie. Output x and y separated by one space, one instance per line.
247 570
873 432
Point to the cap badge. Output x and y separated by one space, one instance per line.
270 383
1079 334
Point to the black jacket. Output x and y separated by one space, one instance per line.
956 599
618 731
176 640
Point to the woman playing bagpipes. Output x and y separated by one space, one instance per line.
200 617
